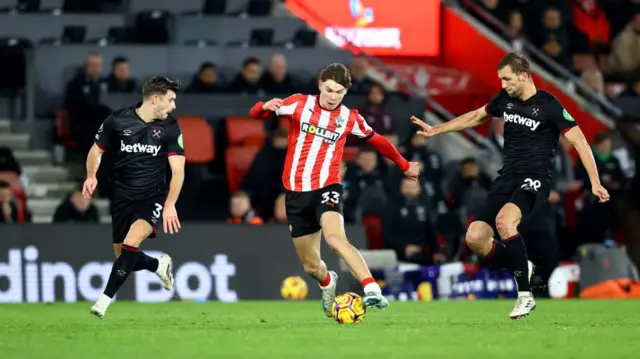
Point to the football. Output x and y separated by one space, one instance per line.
348 308
294 288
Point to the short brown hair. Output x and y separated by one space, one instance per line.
518 63
338 73
159 85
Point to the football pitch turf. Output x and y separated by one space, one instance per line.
455 329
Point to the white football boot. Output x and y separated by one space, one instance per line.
164 271
375 300
99 309
525 302
329 294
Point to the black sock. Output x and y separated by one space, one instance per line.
518 260
121 269
146 262
498 255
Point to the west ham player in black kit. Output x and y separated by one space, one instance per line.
140 139
534 120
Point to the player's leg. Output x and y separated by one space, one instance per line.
332 224
308 250
123 266
481 232
305 231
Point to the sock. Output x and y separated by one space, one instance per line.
369 285
498 254
326 281
519 267
146 262
121 269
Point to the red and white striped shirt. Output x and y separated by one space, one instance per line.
316 141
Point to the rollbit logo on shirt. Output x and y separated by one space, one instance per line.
139 148
521 120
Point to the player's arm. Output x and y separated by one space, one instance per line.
102 142
175 152
573 133
275 106
362 130
460 123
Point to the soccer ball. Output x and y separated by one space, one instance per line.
294 288
348 308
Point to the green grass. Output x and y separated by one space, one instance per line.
460 329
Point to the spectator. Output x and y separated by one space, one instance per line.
359 81
553 39
624 59
365 183
496 8
11 211
377 115
598 220
591 20
593 80
74 208
82 101
469 189
206 80
632 91
276 80
246 82
408 226
8 162
280 210
120 80
264 178
240 209
515 25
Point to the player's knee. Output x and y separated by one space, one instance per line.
138 232
478 234
505 222
336 241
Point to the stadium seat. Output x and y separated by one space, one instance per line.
373 231
245 131
584 61
198 140
238 161
63 130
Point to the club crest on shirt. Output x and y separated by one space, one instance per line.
157 133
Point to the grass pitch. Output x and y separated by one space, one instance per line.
459 329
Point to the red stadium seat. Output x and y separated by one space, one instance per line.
373 231
238 161
245 131
198 140
63 129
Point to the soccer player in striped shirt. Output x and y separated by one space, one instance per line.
319 126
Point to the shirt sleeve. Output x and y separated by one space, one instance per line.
289 105
105 133
493 107
560 116
361 128
175 146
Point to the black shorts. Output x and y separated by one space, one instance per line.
125 213
304 209
526 192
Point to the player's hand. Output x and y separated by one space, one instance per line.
272 104
170 221
89 187
600 192
414 170
426 130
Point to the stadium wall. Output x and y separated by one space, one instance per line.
69 263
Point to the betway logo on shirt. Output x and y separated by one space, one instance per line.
521 120
329 137
139 148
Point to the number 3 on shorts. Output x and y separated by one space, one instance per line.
332 196
157 211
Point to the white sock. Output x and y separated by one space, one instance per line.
103 301
525 294
372 288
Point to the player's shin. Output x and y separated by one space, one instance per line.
146 262
354 261
121 269
517 253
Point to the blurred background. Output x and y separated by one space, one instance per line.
65 64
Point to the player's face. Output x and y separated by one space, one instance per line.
164 104
511 82
410 189
331 94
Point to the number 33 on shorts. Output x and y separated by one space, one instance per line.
330 198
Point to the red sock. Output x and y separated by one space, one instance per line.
326 281
367 280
